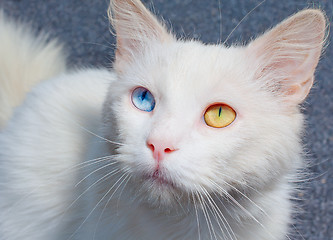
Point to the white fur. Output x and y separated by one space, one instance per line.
72 167
37 180
25 60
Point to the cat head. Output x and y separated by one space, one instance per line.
207 119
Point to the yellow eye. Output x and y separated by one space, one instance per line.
219 116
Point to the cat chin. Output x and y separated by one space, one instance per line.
159 193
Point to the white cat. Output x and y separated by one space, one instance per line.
190 141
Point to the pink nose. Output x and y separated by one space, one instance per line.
160 149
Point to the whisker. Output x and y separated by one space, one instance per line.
96 170
98 136
241 183
212 210
205 212
309 179
181 205
91 162
122 190
247 198
236 202
224 221
298 232
57 176
243 208
97 204
98 44
110 174
196 213
242 20
107 203
220 15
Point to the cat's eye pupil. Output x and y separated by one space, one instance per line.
143 96
142 99
219 115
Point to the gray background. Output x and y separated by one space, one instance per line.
83 26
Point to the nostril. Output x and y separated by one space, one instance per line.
159 149
168 150
151 147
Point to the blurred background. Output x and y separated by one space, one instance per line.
83 27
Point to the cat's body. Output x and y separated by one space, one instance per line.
53 189
78 162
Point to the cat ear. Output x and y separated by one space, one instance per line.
287 55
136 27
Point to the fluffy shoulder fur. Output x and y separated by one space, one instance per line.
45 137
25 59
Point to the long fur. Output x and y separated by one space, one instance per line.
75 162
26 59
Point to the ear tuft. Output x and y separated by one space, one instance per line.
135 27
287 55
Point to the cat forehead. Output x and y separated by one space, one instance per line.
189 66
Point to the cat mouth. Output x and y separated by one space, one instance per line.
157 178
159 190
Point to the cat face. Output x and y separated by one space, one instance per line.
185 79
158 105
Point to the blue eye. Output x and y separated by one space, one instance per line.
143 99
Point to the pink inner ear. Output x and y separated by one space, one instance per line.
295 78
292 90
287 55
